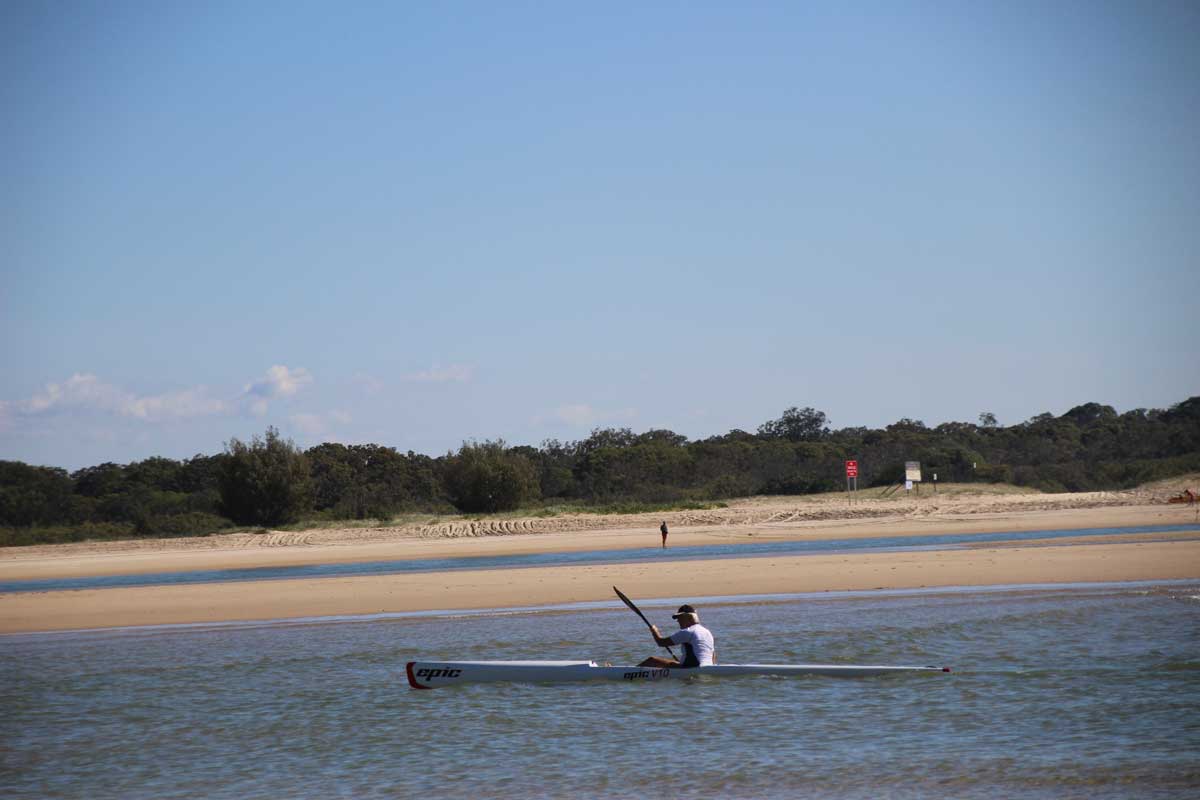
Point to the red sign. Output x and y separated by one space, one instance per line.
851 469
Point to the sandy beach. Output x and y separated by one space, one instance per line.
1141 556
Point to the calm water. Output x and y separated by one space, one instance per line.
939 541
1062 693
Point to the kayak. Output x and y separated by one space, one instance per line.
432 674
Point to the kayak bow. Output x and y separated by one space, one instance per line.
432 674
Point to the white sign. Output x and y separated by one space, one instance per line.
912 470
908 486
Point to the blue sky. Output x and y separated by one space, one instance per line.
415 224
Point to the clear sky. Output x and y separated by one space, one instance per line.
418 223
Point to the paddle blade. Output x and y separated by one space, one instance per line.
632 607
638 611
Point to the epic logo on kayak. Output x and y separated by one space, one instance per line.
426 672
647 674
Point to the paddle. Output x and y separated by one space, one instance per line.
638 611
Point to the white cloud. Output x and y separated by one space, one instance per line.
456 373
280 381
84 391
188 403
81 390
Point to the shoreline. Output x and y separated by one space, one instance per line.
474 589
616 605
1134 556
247 551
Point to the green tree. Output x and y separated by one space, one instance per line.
156 473
906 425
556 463
488 477
605 438
99 480
663 437
200 473
333 475
367 480
1089 413
797 425
265 482
33 495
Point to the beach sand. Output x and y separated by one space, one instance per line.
1126 558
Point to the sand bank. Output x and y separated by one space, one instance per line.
1151 560
751 521
1085 558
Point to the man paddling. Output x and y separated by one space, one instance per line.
696 640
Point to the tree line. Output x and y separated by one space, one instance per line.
270 481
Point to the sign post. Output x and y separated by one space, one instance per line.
912 475
851 473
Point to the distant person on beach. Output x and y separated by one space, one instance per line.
663 530
699 650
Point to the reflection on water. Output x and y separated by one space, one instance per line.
1056 693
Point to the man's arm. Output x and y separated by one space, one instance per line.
659 639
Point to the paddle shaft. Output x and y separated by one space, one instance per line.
638 611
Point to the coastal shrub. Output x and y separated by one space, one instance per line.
370 481
633 507
60 534
268 482
192 523
486 477
33 495
728 486
265 481
796 425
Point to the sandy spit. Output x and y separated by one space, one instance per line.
750 520
551 585
1085 558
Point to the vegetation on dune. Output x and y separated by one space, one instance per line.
269 481
489 477
265 482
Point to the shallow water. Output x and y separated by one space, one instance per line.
941 541
1089 693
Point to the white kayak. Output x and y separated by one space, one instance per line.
432 674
